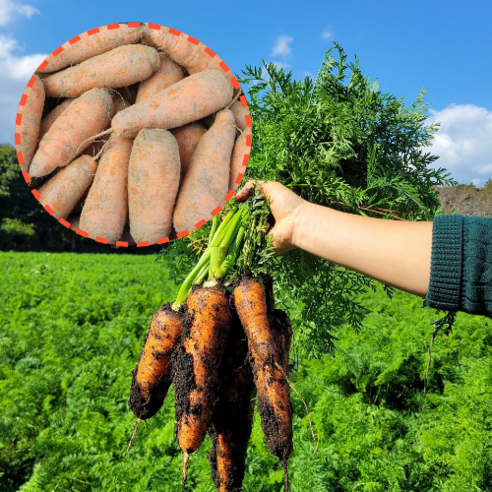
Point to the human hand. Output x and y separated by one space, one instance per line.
286 208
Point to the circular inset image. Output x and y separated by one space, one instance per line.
133 134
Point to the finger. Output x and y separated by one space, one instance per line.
246 191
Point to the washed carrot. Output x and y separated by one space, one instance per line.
187 137
106 207
188 100
268 366
62 192
87 116
185 51
119 67
238 160
49 119
232 420
152 375
30 114
240 114
206 183
168 74
195 364
153 181
90 45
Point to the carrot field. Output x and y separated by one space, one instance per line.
71 330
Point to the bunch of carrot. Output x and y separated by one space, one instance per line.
219 344
133 133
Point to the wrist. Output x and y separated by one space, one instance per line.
301 224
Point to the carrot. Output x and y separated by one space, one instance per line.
153 181
152 375
187 137
238 159
168 74
232 420
30 114
119 67
206 183
188 100
268 362
89 45
62 192
240 113
195 364
84 118
282 333
182 49
49 119
106 207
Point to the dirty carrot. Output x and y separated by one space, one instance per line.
195 364
272 386
152 375
232 420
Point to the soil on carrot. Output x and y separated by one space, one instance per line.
233 412
147 406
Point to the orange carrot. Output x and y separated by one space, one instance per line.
168 74
62 192
232 420
89 45
188 100
152 376
240 113
182 49
119 67
85 117
238 160
187 137
206 183
195 364
153 180
31 113
49 119
268 366
106 207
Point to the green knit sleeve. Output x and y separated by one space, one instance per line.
461 265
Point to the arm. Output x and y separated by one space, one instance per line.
396 253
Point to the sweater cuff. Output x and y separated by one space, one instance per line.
446 263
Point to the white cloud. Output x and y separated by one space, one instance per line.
283 65
464 142
282 46
328 33
9 8
15 72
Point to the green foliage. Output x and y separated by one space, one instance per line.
339 142
71 336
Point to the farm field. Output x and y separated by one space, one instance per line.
71 330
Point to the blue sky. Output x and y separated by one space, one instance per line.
444 47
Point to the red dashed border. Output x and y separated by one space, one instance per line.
91 32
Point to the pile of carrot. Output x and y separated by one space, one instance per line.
221 345
133 134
